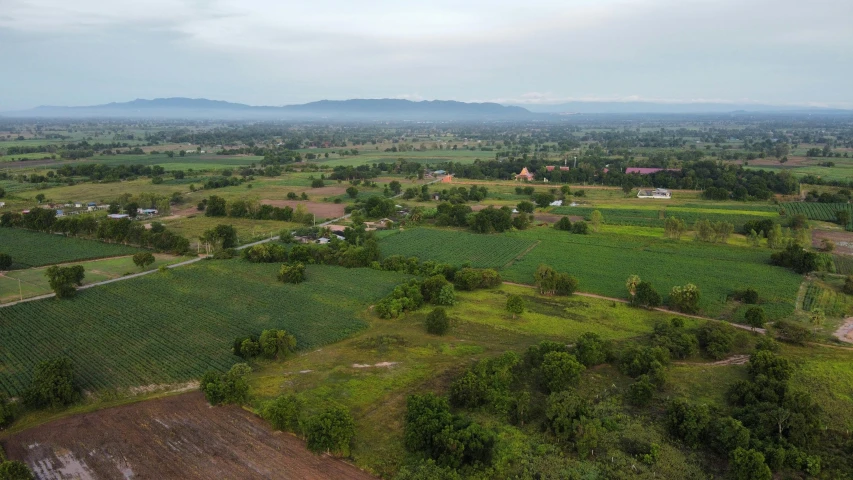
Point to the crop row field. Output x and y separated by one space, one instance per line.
34 249
455 247
833 302
172 326
819 211
654 217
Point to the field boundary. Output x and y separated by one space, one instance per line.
521 255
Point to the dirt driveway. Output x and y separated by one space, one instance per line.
178 437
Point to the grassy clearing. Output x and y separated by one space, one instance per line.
33 249
455 247
33 281
248 230
118 337
651 216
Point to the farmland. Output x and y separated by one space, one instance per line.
118 337
828 298
482 251
819 211
33 249
648 216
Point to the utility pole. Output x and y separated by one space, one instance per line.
576 162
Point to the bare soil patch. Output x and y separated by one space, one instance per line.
845 331
321 209
174 437
331 190
843 240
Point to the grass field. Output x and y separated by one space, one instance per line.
653 216
118 336
33 249
33 281
455 247
602 263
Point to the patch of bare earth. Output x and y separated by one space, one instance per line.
845 331
843 240
331 190
178 437
321 209
733 360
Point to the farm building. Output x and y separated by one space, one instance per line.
649 171
447 179
118 216
656 193
524 175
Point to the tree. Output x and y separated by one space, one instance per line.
631 285
143 259
590 349
542 199
749 465
283 413
674 228
562 410
755 317
437 322
525 207
5 261
564 224
848 285
545 279
63 279
565 284
15 470
687 421
729 434
596 219
216 207
230 387
560 370
515 305
352 192
580 227
330 431
842 217
395 187
646 296
685 299
292 273
276 343
53 384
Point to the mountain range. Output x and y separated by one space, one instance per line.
390 109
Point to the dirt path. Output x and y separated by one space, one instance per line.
522 254
845 331
177 437
659 309
733 360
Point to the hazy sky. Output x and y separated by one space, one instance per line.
267 52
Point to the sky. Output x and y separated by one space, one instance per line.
268 52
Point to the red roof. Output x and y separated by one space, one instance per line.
550 168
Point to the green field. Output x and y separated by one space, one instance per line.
820 295
170 327
33 249
652 216
603 262
34 282
455 247
819 211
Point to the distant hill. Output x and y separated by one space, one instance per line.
359 109
592 107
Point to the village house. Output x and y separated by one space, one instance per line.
656 193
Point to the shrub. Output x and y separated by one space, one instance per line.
748 296
14 470
640 393
749 465
729 434
672 336
564 224
580 228
638 360
5 261
283 413
848 285
566 284
330 431
437 322
791 332
276 343
143 259
563 409
716 339
53 384
685 299
755 317
292 273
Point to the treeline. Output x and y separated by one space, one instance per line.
215 206
358 249
121 230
